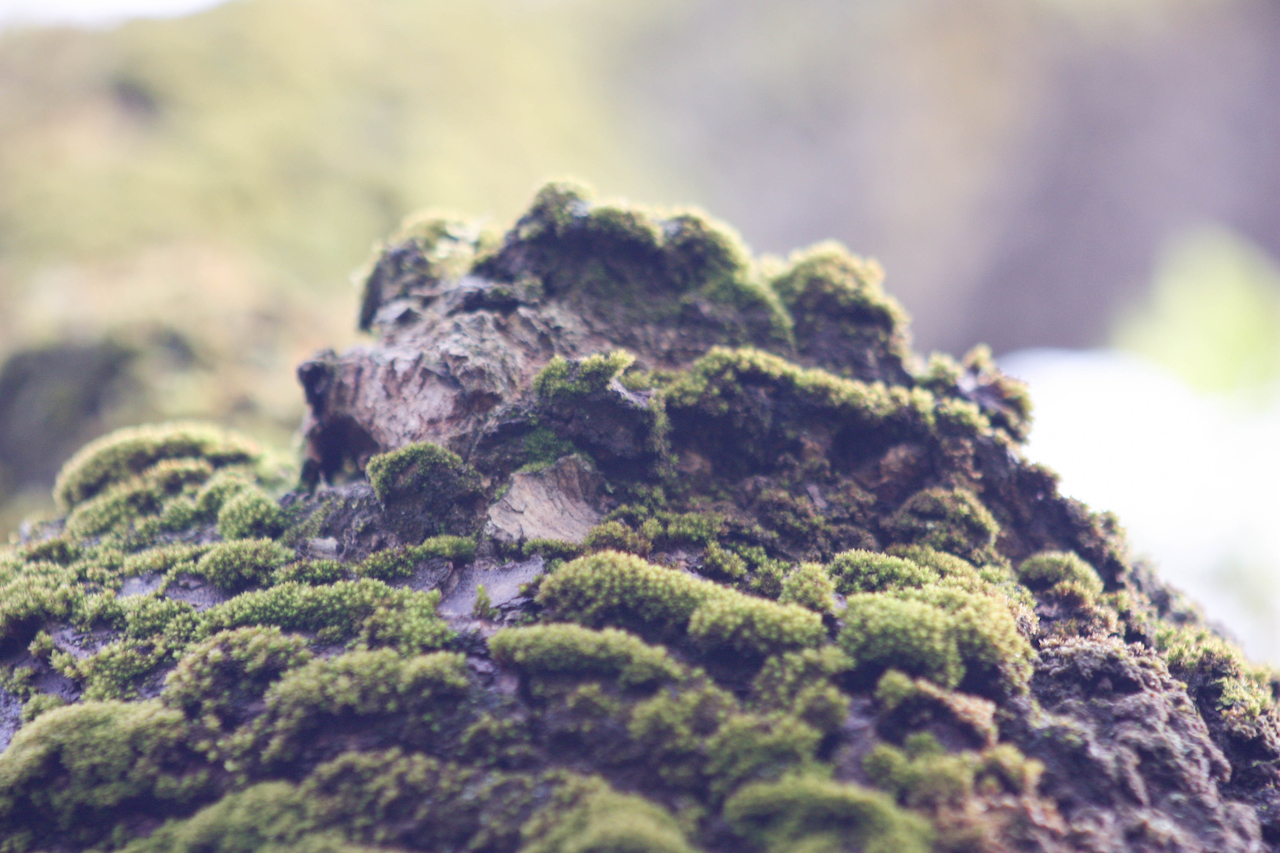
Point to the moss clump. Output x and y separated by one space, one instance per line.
954 521
401 563
640 267
842 317
564 382
588 815
1063 575
618 589
419 691
574 650
809 586
426 490
123 454
872 571
365 609
76 773
217 682
812 813
236 566
248 515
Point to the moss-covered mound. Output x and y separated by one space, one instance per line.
617 540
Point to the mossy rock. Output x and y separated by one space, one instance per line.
826 604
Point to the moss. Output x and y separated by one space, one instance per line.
1063 575
611 588
68 774
427 489
123 504
872 571
588 815
550 549
808 812
954 521
881 631
248 515
922 774
1216 672
366 609
542 446
236 566
412 801
753 627
574 650
671 730
616 536
252 819
800 681
124 454
218 680
749 747
722 564
39 704
401 563
810 586
373 685
40 593
565 381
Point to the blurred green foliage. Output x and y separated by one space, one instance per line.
1212 316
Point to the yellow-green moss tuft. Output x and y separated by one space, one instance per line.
125 453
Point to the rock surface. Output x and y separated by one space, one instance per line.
616 540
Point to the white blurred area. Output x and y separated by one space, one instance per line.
1192 476
94 13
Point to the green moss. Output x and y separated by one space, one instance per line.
542 446
254 819
236 566
922 774
566 381
671 730
881 631
219 679
954 521
124 454
38 594
401 563
616 536
573 650
808 812
550 549
125 503
588 815
722 564
67 774
427 489
872 571
1216 671
753 626
748 747
1064 575
611 588
837 299
372 685
800 681
366 609
248 515
810 586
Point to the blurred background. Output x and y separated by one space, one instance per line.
1090 186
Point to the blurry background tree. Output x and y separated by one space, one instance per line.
182 201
